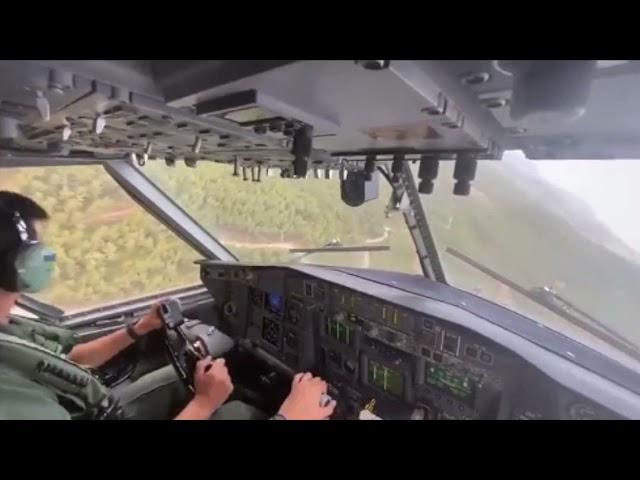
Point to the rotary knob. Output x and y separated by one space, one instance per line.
230 309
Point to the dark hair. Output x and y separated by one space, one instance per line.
30 211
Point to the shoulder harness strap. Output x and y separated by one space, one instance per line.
88 398
56 339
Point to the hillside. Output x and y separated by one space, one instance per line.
110 249
535 234
516 223
261 221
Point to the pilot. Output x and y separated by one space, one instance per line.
46 374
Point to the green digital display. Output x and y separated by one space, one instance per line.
459 385
390 316
339 331
387 379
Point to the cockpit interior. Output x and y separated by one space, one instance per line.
348 218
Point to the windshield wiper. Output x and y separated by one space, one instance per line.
547 298
335 245
358 248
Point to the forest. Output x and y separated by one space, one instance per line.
110 249
260 222
107 247
524 228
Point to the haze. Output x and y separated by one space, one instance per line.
610 187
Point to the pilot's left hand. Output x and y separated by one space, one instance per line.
151 321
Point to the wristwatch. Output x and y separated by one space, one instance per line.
132 332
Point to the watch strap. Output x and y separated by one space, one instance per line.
132 332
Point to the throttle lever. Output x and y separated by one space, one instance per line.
171 313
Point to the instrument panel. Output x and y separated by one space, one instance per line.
392 360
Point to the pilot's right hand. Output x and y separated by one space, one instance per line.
304 401
212 382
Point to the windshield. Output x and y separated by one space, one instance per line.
108 248
563 231
261 222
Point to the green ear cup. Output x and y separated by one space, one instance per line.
34 266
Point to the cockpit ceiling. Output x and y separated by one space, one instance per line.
251 111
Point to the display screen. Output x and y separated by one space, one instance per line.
451 343
429 339
390 316
459 385
339 331
387 379
275 303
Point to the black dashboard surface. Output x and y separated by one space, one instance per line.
407 347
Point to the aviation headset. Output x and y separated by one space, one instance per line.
33 263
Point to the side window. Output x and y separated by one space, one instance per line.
108 248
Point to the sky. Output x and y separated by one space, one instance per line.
610 187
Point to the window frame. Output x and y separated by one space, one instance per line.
153 199
145 193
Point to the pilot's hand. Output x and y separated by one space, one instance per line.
150 322
212 383
303 403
